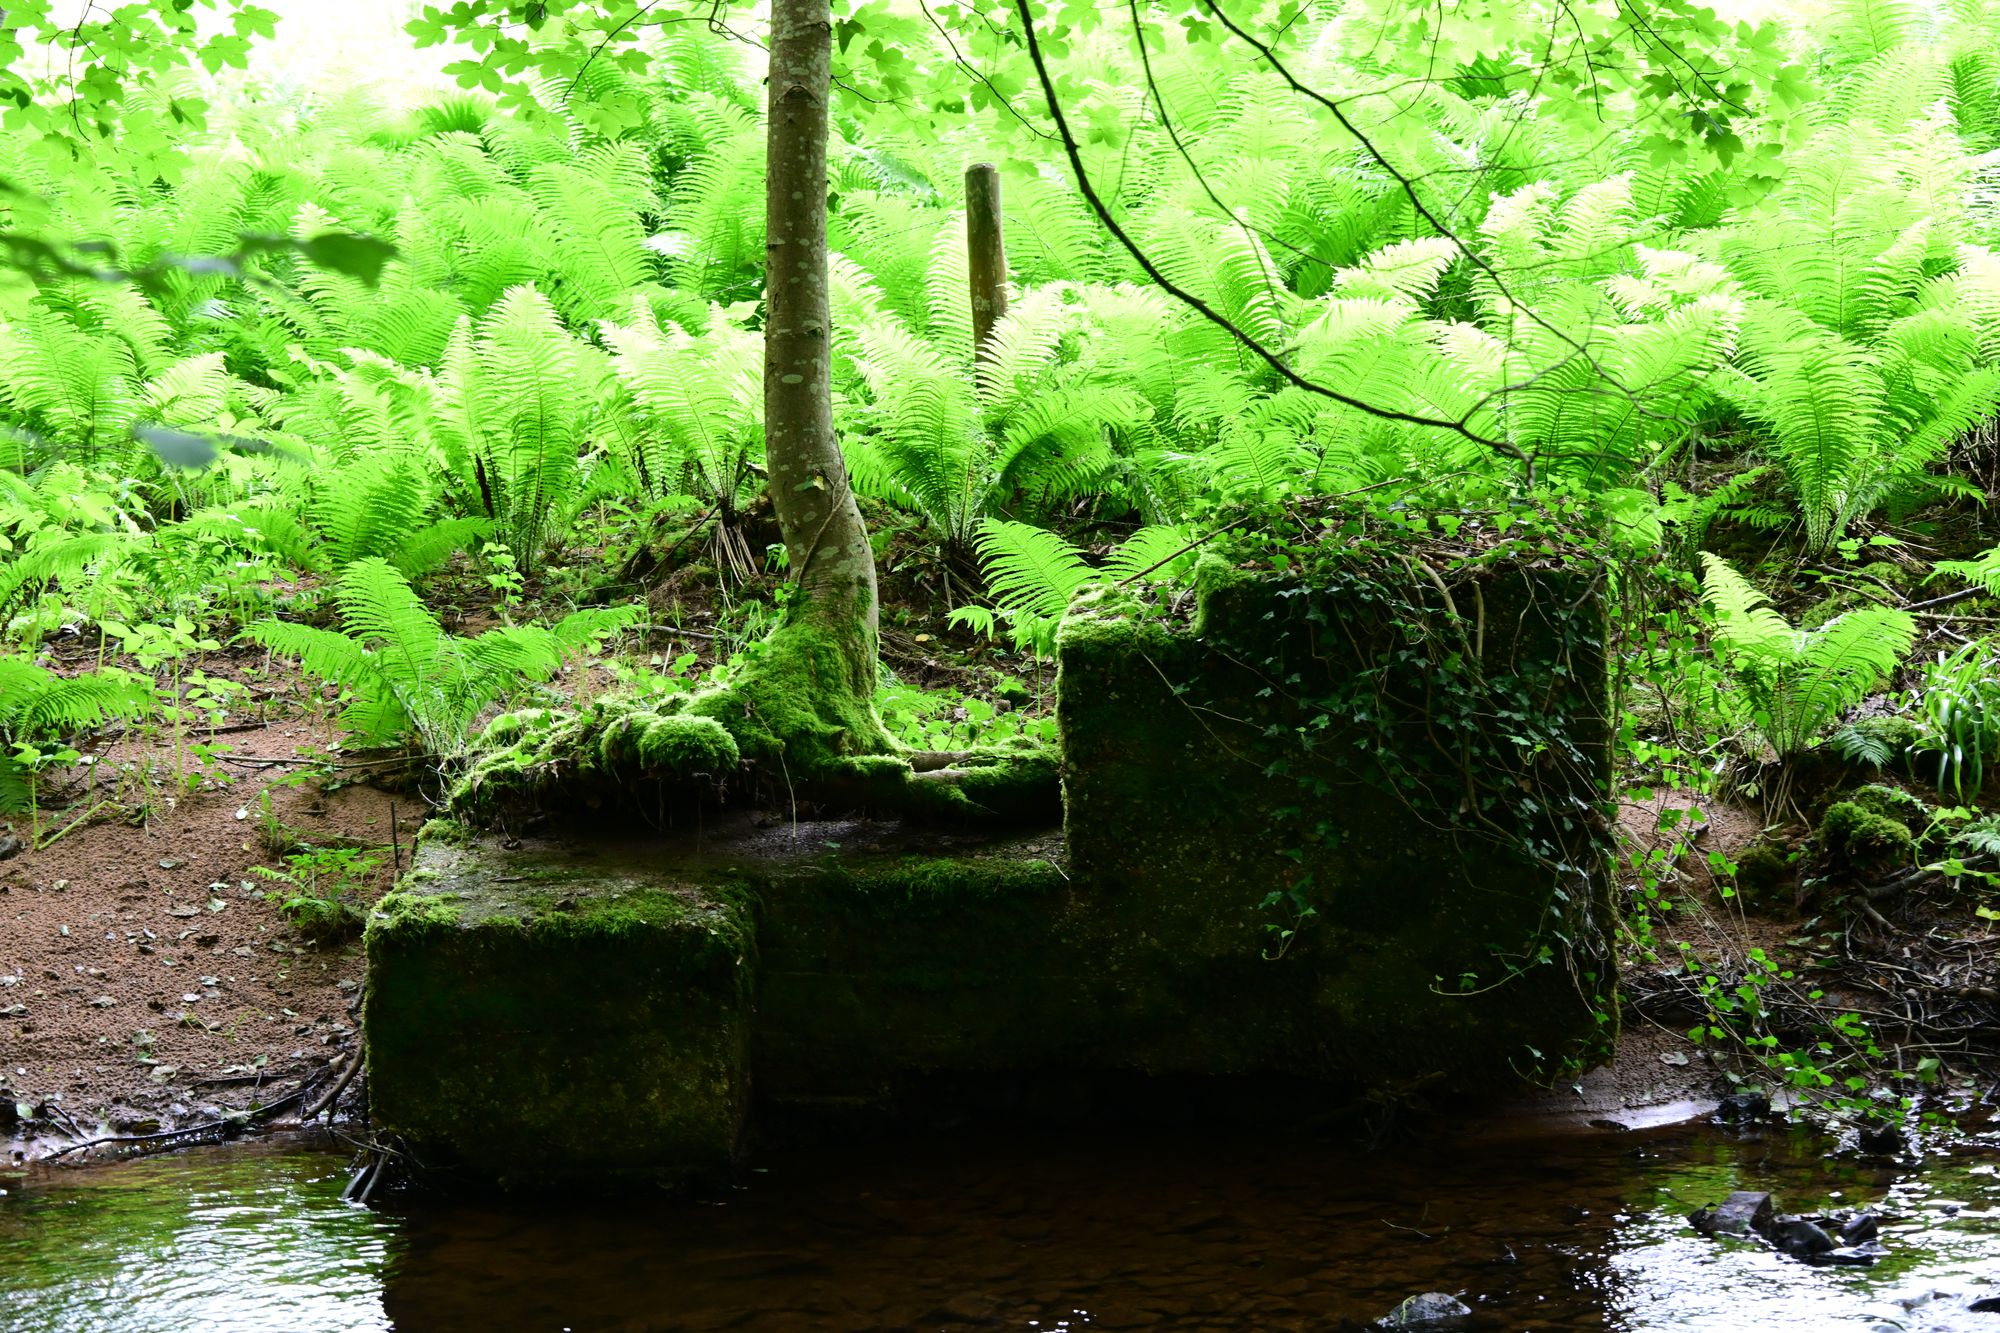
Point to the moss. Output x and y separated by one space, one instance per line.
687 745
1764 871
1891 803
803 705
993 785
602 753
617 917
1900 576
1857 838
447 831
404 912
1837 603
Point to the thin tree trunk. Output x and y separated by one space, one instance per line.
824 535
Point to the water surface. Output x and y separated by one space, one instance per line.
1035 1233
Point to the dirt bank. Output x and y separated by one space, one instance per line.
148 980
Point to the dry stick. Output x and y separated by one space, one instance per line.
395 843
73 825
986 255
1946 600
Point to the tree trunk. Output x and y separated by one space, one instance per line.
824 536
803 707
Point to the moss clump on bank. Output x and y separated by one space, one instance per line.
448 832
1764 871
1854 837
1891 803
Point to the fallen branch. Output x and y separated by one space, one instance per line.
225 1125
320 1107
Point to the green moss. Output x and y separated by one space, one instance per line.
803 705
687 745
1891 803
1764 871
1856 837
1011 786
412 913
1904 577
449 832
717 915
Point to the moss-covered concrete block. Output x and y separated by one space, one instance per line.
873 967
1328 829
554 1020
1366 821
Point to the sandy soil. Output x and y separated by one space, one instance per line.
146 980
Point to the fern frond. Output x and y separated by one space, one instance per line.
430 547
1030 570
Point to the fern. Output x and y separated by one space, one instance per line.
1792 685
518 400
410 682
1031 574
38 706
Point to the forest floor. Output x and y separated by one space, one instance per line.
148 979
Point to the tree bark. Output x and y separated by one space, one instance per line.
824 536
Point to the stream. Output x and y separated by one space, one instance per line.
1031 1232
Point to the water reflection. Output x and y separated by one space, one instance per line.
246 1241
1048 1235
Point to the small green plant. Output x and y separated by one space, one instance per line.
1832 1068
319 890
949 720
1958 707
503 576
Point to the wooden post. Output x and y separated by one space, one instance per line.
988 255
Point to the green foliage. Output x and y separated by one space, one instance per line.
1958 711
1792 685
38 707
411 683
516 400
1878 742
320 888
1032 574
